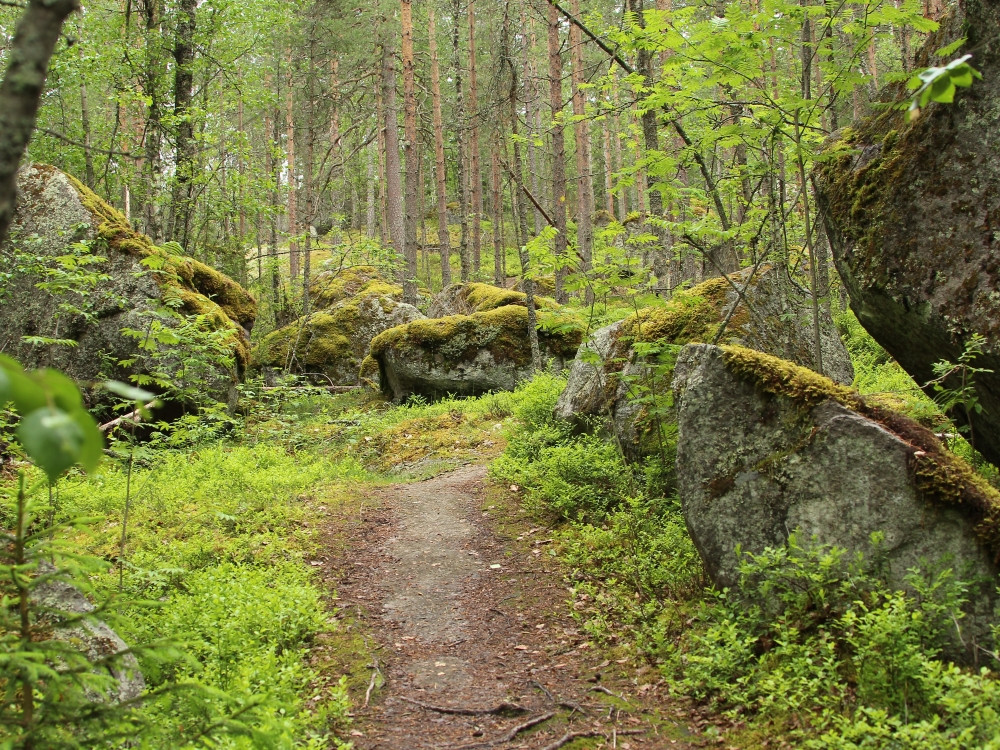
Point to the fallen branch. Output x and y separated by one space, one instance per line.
503 709
371 683
523 726
132 416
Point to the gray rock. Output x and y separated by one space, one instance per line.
762 453
54 211
330 344
911 212
774 316
62 603
466 355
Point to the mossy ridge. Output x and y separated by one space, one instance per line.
201 289
318 341
940 475
330 287
503 331
484 297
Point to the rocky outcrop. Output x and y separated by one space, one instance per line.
69 613
612 372
465 299
911 209
330 344
767 448
468 355
111 279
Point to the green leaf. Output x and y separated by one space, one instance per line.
129 392
943 90
18 388
93 440
951 48
60 388
52 439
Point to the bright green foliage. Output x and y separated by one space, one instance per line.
55 430
939 84
811 638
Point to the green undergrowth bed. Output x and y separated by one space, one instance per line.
812 649
213 580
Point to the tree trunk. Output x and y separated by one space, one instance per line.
498 250
558 152
441 174
35 39
475 170
393 168
411 153
293 228
88 153
154 69
463 187
181 201
370 197
585 185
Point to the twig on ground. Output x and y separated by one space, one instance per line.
371 683
544 689
503 709
602 689
523 726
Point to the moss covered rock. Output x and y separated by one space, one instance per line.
465 299
911 209
334 285
135 278
330 344
612 376
468 355
767 448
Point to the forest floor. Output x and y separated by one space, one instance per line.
470 638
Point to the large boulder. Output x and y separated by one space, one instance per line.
467 355
767 448
473 297
612 372
75 270
71 620
330 344
911 209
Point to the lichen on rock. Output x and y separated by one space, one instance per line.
767 448
54 211
470 354
612 370
911 211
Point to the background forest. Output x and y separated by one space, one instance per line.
608 156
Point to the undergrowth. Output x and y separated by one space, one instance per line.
812 645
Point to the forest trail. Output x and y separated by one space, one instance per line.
475 644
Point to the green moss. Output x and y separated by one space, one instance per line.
201 289
368 372
785 378
320 344
940 476
330 287
482 297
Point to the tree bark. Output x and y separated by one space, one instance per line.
558 152
34 41
293 228
441 174
475 170
498 250
411 154
584 183
181 202
463 187
393 168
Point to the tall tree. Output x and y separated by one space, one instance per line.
441 181
584 181
475 170
461 160
558 151
393 169
34 41
184 150
412 154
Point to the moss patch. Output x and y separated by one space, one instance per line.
483 297
330 287
940 475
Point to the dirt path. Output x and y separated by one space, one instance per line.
475 646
